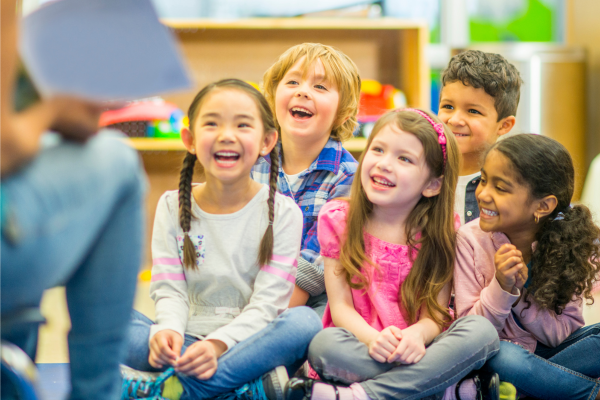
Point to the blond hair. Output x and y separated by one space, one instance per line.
432 217
338 67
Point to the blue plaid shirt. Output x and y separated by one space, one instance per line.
328 177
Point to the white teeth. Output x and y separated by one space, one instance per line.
226 154
382 181
301 109
489 212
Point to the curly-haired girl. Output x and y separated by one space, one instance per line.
528 264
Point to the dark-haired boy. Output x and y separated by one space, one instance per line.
478 101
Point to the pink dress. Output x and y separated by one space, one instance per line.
379 303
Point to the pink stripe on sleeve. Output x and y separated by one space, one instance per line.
166 261
279 273
168 276
285 260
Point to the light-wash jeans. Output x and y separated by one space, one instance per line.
338 356
283 342
568 371
74 216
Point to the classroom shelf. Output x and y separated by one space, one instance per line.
389 50
355 145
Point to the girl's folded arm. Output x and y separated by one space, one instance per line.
274 283
168 287
426 326
341 305
548 327
472 295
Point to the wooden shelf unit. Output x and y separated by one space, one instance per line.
389 50
355 145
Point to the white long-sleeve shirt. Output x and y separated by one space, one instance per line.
229 297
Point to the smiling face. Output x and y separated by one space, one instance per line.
505 203
306 103
471 115
228 135
394 172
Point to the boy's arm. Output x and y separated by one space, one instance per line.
548 327
311 276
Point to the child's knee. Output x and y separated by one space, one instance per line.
305 320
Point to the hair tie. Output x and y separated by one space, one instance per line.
439 128
560 216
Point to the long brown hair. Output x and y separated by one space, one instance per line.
187 171
433 217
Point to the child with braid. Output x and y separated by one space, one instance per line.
314 92
224 255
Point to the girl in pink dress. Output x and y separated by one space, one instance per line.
389 259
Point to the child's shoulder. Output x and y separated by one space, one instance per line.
285 205
335 157
334 209
348 162
473 236
471 232
170 199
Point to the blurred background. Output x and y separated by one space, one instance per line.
400 47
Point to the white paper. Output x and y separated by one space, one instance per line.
101 50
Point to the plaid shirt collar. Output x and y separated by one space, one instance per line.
329 158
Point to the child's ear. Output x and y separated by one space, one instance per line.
188 140
546 206
434 187
506 125
269 141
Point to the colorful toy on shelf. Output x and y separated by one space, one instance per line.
153 118
375 100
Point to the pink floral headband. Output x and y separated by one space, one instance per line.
439 128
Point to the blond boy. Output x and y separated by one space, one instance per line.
314 92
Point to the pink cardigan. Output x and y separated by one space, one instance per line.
478 292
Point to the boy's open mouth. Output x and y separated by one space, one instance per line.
300 113
381 181
226 157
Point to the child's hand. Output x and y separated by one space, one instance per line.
200 359
165 348
385 343
411 348
522 276
508 261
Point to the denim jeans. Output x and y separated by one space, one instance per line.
283 342
568 371
337 355
75 217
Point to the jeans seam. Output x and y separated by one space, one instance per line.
577 342
567 370
594 389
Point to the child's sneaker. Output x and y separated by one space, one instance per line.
274 382
507 391
268 387
149 385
